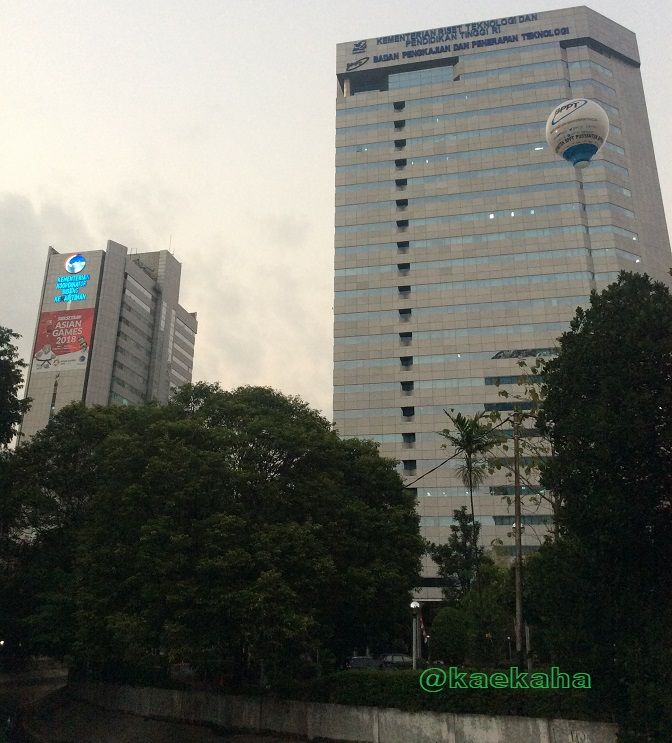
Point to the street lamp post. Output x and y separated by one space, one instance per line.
415 608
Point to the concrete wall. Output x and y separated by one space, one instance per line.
337 722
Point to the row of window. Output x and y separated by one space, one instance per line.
137 286
587 65
138 346
583 66
527 211
408 412
116 398
125 321
448 492
411 438
437 521
400 164
126 386
185 330
448 98
411 465
179 377
466 176
430 384
513 235
425 160
533 126
177 360
464 356
528 305
129 370
395 108
560 87
404 268
384 127
461 491
431 76
470 284
137 301
558 66
414 202
121 351
134 310
442 100
595 84
452 334
408 386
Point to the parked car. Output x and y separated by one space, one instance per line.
398 660
361 661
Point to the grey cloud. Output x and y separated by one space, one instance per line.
260 320
27 232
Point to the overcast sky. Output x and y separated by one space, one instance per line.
211 124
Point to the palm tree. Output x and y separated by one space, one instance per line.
473 438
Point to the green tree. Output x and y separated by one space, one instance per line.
472 439
608 396
234 530
51 480
489 609
536 449
458 561
448 641
11 378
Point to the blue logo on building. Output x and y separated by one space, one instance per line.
359 47
75 263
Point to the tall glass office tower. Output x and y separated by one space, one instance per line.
462 243
110 331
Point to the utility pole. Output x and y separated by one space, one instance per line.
520 651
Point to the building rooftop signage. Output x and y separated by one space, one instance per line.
70 286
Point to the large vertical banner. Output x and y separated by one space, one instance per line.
63 340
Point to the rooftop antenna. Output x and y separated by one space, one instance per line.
170 244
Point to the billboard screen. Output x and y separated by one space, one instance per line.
63 340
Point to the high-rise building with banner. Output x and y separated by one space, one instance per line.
463 244
110 330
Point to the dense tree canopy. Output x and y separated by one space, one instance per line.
228 529
605 590
11 378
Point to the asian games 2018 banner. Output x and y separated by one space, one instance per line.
63 340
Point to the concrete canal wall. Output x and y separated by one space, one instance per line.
335 722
